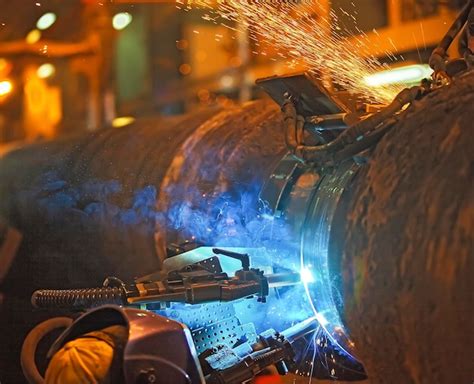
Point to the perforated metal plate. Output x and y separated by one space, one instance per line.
212 264
199 316
226 332
212 324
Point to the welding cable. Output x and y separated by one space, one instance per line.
294 125
406 96
78 298
294 128
437 59
28 350
359 130
465 49
300 121
352 134
290 121
368 141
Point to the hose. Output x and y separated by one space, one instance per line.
368 141
438 57
78 298
289 118
28 350
352 135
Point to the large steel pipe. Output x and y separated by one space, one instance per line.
408 251
403 244
87 206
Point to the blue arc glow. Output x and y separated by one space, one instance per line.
315 254
306 275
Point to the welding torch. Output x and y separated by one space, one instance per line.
192 284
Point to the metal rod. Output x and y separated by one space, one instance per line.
301 329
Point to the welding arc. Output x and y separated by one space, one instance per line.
354 139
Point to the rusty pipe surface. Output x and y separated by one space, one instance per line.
402 244
408 245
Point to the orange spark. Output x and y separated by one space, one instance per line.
322 44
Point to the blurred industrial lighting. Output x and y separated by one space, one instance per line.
185 69
122 121
201 56
402 75
121 20
45 70
46 21
182 44
203 95
33 36
227 81
5 67
235 61
5 87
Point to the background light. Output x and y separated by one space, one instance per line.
5 67
403 75
5 87
227 81
33 36
46 21
121 20
46 70
185 69
122 121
